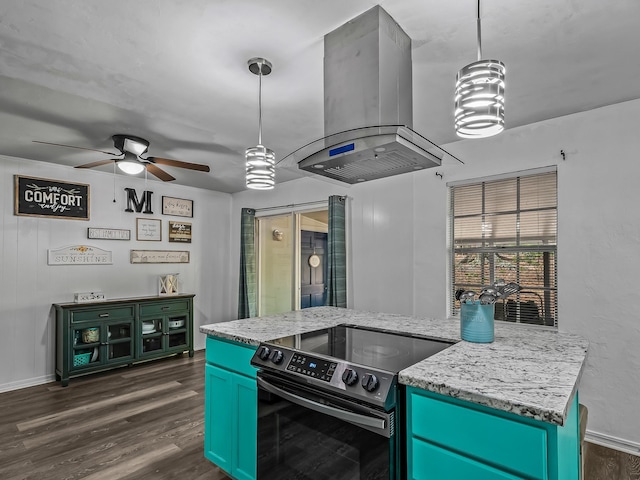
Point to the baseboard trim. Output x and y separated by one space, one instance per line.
29 382
610 441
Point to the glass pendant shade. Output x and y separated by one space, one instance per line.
130 167
479 99
260 168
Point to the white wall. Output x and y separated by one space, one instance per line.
398 261
28 286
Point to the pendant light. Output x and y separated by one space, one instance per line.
260 160
479 96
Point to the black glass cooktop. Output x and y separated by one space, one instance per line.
370 347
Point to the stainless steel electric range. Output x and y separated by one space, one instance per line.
329 406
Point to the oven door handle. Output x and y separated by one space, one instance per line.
355 418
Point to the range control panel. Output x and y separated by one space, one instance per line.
353 380
312 367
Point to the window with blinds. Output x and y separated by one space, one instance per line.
506 229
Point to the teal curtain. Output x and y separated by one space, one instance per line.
247 300
337 253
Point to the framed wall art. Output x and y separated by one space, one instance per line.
42 197
108 233
179 232
159 256
148 229
178 207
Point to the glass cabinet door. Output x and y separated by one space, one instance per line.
152 330
86 345
120 340
177 330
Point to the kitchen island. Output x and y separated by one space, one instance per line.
524 384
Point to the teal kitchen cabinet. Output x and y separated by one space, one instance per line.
450 438
97 336
231 409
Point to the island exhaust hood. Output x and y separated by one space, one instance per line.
368 106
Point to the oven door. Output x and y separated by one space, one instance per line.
305 433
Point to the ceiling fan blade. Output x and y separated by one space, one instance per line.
73 146
96 164
158 172
177 163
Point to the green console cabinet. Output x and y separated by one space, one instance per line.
231 409
97 336
450 438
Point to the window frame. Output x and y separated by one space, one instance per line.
546 247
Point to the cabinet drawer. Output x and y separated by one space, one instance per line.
164 307
434 463
492 439
103 313
233 356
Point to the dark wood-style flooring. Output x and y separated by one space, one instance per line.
131 423
144 422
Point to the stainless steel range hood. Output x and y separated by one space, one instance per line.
368 106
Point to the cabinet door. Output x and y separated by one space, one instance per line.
119 341
246 393
177 331
230 422
151 335
86 340
219 415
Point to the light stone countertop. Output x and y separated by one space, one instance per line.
528 371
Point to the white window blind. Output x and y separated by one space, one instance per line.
507 229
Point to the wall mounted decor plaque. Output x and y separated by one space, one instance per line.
79 255
159 256
180 232
178 207
41 197
148 229
108 233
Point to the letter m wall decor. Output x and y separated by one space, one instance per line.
132 201
41 197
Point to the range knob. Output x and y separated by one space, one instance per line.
349 376
370 382
264 352
276 356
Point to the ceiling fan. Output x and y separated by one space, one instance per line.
131 148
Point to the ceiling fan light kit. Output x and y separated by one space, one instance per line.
260 161
479 96
130 164
131 148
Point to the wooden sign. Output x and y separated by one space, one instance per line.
178 207
180 232
79 255
148 229
159 256
108 233
40 197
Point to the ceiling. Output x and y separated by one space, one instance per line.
175 71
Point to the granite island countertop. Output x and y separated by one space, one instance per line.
527 371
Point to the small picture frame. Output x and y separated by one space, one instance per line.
148 229
179 207
179 232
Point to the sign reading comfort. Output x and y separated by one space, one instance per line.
40 197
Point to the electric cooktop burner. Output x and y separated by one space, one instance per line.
359 362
